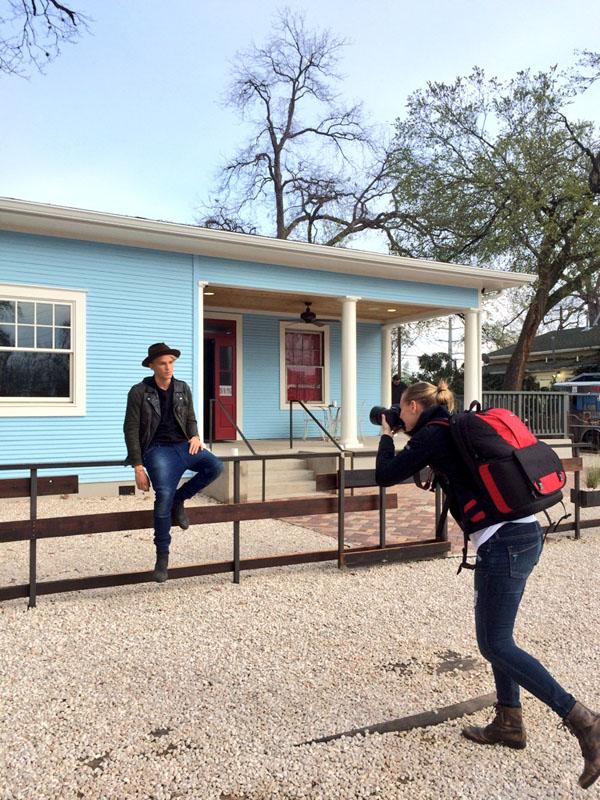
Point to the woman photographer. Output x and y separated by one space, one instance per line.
506 554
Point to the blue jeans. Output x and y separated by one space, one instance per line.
504 563
165 464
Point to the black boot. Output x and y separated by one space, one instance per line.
160 574
178 515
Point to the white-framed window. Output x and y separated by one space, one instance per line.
42 351
304 363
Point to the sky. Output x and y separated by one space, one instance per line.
131 119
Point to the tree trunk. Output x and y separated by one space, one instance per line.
515 372
279 201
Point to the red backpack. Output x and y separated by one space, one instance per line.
515 474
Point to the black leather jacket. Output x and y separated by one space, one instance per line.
143 416
432 445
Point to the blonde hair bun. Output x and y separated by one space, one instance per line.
429 395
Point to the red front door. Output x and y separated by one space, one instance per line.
220 376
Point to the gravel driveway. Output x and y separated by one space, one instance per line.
202 689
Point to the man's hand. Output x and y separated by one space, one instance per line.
142 481
195 445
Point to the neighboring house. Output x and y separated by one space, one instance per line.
554 356
83 294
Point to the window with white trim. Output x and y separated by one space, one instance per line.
42 351
304 363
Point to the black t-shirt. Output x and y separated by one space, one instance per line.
397 389
168 430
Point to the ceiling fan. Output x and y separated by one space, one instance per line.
309 316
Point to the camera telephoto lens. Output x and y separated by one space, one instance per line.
392 416
375 415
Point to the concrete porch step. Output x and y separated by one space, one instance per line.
282 493
282 489
287 467
282 476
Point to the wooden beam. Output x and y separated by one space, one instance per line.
353 479
211 568
48 528
129 578
21 487
366 556
572 464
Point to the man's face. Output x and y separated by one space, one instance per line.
162 367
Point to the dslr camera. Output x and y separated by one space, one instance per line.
392 415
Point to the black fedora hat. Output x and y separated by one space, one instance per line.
159 349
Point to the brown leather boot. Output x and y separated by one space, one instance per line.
585 725
506 728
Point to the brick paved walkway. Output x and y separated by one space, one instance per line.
413 519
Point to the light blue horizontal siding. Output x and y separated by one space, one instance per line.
134 298
292 279
263 417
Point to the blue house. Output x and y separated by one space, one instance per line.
83 294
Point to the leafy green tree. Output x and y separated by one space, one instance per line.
493 173
434 367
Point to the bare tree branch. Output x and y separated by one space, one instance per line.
33 32
311 165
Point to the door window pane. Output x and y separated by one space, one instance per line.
226 352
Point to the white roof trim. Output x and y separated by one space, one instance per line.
73 223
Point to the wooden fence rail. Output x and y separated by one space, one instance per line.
33 529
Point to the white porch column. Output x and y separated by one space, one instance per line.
349 438
386 365
200 360
472 356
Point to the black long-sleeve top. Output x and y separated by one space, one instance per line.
431 445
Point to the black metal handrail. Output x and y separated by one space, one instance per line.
211 406
312 416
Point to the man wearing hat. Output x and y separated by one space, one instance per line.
161 434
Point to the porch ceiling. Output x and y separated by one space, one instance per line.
325 307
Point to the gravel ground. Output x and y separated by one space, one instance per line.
202 689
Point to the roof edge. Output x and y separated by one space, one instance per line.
25 216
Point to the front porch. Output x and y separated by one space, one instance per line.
260 349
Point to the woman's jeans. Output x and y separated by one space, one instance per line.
504 563
165 464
